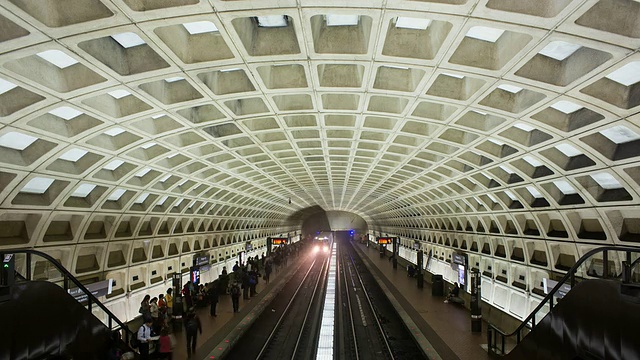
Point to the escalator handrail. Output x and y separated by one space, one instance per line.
66 273
567 276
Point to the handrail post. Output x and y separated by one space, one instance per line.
502 347
66 282
28 271
605 264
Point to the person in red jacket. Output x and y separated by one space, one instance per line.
165 348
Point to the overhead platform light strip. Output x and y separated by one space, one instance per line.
325 340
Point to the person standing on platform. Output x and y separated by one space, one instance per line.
165 347
245 284
169 300
155 313
235 297
145 308
192 326
144 338
213 297
267 271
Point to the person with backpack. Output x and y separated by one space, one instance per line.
235 297
144 338
192 326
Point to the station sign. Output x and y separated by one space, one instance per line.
385 240
279 241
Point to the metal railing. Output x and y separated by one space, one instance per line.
496 338
112 321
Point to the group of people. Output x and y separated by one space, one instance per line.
156 314
242 281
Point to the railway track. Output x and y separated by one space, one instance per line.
368 325
290 329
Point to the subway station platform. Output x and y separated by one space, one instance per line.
443 330
220 332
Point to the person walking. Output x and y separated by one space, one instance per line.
192 326
144 338
235 297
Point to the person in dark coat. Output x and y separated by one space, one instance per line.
235 297
213 297
192 326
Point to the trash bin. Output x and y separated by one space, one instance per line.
437 285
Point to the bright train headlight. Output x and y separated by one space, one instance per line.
316 248
325 248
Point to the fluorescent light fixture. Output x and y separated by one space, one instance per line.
178 202
532 161
507 169
510 88
534 192
83 190
113 165
73 155
484 33
128 39
114 132
165 178
6 86
524 127
172 155
396 67
162 200
492 198
57 58
37 185
148 145
200 27
412 23
453 75
16 140
65 112
626 75
158 116
497 142
183 182
143 172
191 205
565 187
559 50
142 198
116 195
568 150
272 21
174 79
119 94
566 107
230 70
479 112
606 181
511 195
342 20
620 134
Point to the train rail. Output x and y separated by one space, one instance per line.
368 325
290 329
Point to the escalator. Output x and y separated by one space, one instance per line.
592 313
586 326
42 321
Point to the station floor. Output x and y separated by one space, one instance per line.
446 327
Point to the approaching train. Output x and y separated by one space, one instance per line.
322 242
